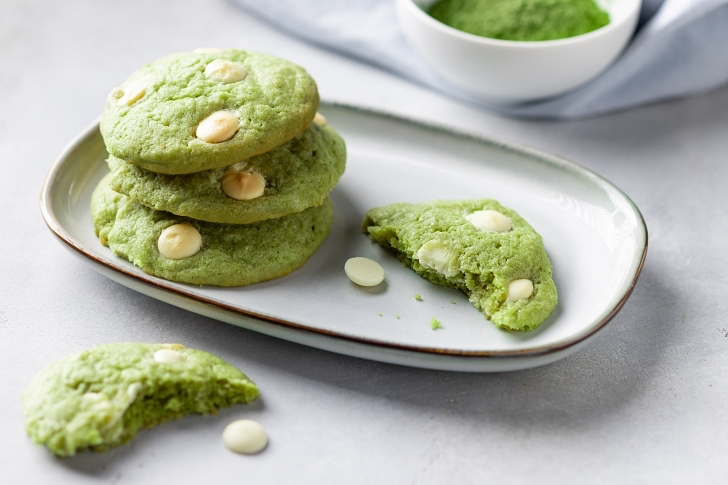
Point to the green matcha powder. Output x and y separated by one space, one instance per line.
525 20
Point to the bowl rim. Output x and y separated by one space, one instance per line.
422 16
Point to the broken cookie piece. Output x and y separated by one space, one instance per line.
100 398
477 246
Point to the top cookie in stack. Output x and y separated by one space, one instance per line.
221 153
200 110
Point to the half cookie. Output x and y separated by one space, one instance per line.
194 111
203 253
100 398
292 177
480 247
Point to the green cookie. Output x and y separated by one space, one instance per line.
100 398
439 243
104 206
230 254
151 120
298 174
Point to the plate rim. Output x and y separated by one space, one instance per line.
552 349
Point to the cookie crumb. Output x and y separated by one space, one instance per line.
435 324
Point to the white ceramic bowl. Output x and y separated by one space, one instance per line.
505 71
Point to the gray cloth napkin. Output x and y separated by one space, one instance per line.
680 48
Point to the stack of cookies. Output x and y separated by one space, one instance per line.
220 168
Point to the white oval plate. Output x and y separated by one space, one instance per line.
595 236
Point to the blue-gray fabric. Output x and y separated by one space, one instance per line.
680 48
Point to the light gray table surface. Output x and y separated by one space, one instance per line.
646 402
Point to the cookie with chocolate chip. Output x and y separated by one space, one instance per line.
101 398
477 246
285 180
195 111
187 250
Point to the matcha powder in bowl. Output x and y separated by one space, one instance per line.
521 20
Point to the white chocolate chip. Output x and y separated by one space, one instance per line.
319 119
133 93
245 436
133 390
223 71
168 356
206 50
436 255
97 401
519 290
179 241
218 127
243 185
364 271
489 221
